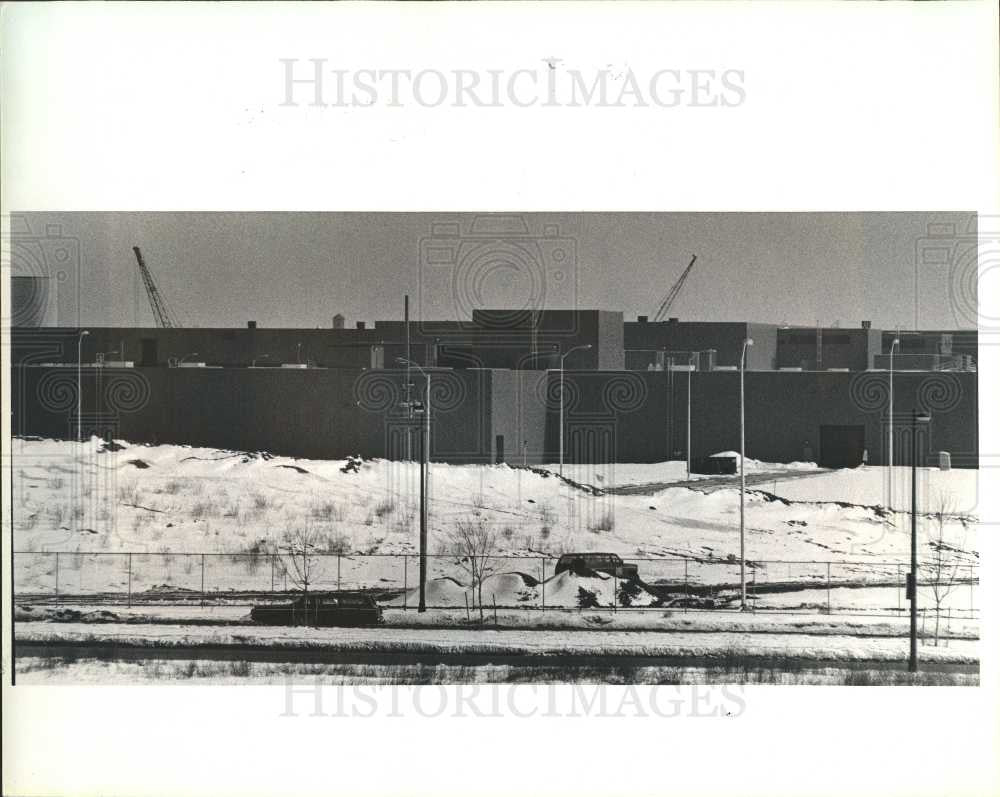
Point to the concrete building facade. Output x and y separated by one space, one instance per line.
497 389
489 416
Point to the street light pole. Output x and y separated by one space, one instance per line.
422 605
743 483
424 468
912 586
892 348
562 400
79 384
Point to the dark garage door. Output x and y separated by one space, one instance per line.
841 446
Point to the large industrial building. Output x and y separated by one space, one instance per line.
502 386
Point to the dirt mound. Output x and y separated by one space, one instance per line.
565 590
296 468
570 590
60 614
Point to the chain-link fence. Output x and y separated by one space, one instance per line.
510 582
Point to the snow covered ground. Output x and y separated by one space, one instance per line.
453 641
871 486
167 505
604 476
83 671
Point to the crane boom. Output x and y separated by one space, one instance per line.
164 318
674 291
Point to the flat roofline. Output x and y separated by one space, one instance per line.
830 329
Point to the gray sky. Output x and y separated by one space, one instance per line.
298 269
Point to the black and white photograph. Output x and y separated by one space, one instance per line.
449 448
491 398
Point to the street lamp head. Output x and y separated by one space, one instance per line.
84 332
581 347
749 342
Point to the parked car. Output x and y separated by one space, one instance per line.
339 609
584 564
723 464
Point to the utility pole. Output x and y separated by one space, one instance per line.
406 384
892 405
912 585
743 482
819 346
424 468
687 444
79 383
422 606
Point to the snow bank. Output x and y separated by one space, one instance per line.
226 504
516 642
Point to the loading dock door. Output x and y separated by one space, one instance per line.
841 446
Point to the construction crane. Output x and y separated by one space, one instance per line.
164 317
674 291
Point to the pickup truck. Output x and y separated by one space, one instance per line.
587 563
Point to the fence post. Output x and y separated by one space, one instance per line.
338 572
614 595
130 581
57 573
405 582
829 608
272 572
687 589
899 598
543 583
203 579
